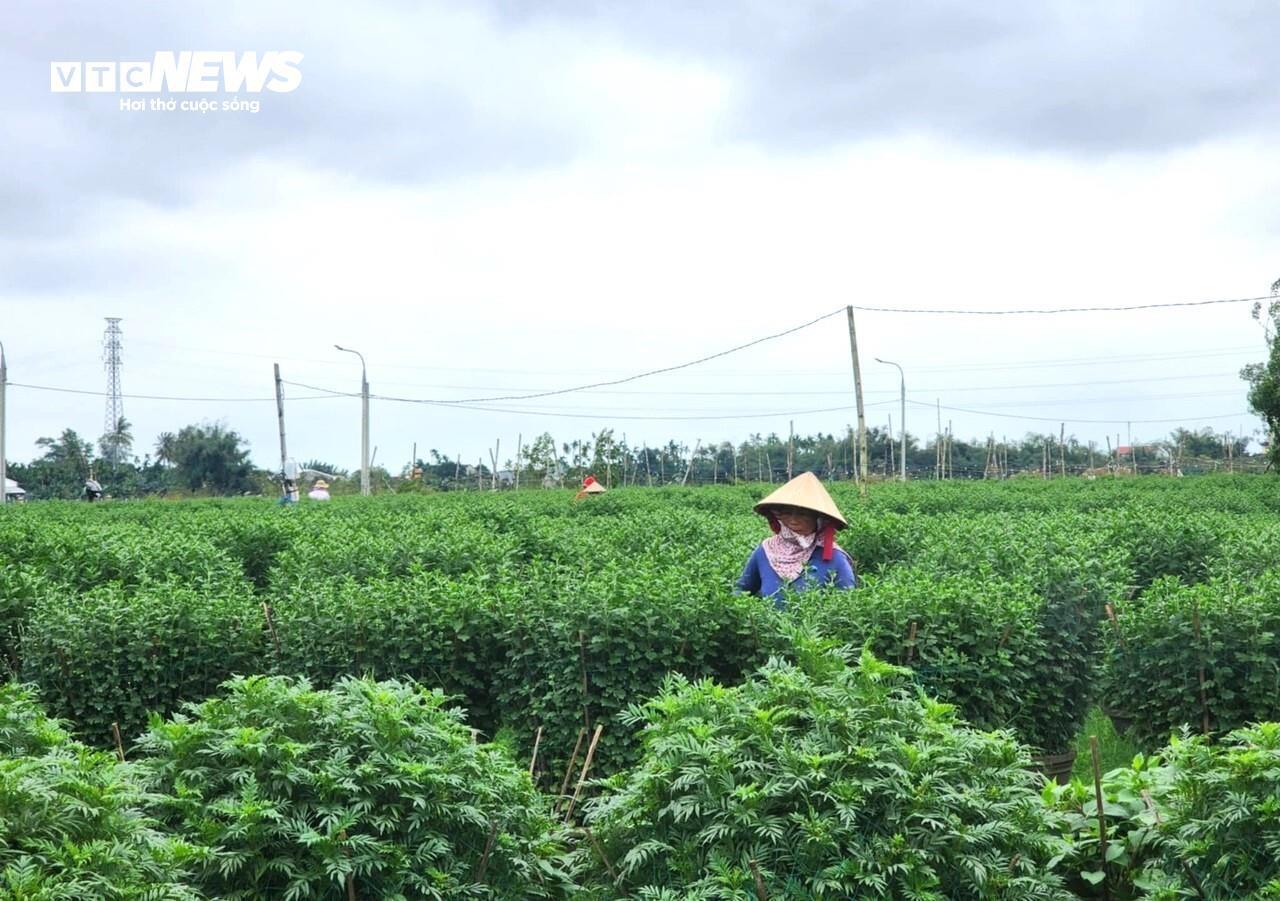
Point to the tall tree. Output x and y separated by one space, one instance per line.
1264 378
116 444
62 469
211 458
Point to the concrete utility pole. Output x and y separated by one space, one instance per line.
364 420
903 387
284 454
4 378
857 392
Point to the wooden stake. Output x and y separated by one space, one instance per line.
115 730
761 894
911 641
266 612
1102 819
586 768
697 445
537 740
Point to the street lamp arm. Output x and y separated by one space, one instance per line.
902 382
348 350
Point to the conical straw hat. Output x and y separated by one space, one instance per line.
805 490
594 488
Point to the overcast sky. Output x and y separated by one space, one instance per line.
488 199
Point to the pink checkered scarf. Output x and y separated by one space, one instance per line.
788 552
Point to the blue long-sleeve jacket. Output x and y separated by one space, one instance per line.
759 578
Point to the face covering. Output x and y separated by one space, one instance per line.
788 552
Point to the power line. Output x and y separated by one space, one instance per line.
166 397
772 373
1032 312
566 415
640 375
1081 421
845 392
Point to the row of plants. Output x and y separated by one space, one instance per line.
822 777
1204 655
1010 633
555 651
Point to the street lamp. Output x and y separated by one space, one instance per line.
4 378
364 420
903 388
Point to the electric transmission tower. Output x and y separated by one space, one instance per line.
113 363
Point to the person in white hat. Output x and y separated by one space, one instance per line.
319 491
802 552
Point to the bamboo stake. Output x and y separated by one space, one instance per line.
586 710
484 858
1102 818
608 865
586 768
911 641
1115 621
573 760
115 730
266 612
1204 701
537 740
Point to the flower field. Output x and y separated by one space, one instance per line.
344 699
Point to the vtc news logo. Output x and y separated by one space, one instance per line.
186 71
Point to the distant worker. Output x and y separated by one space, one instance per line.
802 553
92 490
290 474
589 487
319 491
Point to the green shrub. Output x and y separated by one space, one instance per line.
1132 865
577 651
837 781
1197 821
25 729
1156 653
1222 814
1162 545
973 642
443 632
109 655
21 585
298 790
71 825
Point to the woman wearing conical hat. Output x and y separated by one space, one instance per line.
802 552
